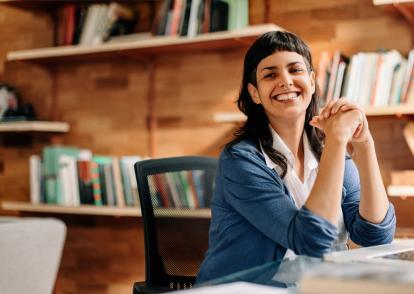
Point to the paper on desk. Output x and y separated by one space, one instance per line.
237 288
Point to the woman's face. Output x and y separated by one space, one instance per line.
284 86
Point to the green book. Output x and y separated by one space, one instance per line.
53 186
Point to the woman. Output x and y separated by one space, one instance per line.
283 188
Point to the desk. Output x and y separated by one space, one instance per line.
322 276
282 274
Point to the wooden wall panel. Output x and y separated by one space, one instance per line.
105 102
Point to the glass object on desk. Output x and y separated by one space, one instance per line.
282 274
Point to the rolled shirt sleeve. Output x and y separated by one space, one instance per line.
361 231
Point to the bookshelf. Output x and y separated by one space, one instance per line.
102 210
34 126
400 191
144 48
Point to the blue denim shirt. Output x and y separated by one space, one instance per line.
254 218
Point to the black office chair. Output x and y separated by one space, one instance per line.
175 196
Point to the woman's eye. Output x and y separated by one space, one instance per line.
269 75
296 70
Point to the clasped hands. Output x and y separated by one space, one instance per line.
344 121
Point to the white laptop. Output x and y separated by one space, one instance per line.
400 252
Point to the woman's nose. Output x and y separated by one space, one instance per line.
285 82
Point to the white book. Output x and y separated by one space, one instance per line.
64 179
74 181
193 20
358 77
35 166
368 77
242 13
68 177
90 28
339 80
350 79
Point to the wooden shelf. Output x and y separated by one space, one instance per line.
400 191
34 126
102 210
229 117
394 110
147 47
388 2
49 4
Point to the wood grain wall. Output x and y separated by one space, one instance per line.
105 103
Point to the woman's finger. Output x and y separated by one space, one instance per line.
326 111
340 103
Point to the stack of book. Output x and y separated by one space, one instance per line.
94 24
375 79
71 177
192 17
184 189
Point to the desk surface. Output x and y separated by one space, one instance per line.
282 274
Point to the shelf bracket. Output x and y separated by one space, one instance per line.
152 108
406 12
409 135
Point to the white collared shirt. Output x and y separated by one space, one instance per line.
300 190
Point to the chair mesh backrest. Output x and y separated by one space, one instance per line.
175 196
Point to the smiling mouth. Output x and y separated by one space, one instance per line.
286 96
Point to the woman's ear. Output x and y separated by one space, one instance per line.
313 83
254 93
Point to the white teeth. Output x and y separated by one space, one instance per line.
286 96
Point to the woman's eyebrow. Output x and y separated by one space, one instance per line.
289 64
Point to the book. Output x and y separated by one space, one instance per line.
96 184
85 182
337 59
175 17
119 192
397 83
386 70
69 180
35 166
129 179
219 16
345 278
51 154
193 19
185 17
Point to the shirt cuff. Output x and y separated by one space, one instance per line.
375 234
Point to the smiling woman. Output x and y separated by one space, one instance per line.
285 185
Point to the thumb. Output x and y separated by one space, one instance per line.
315 122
